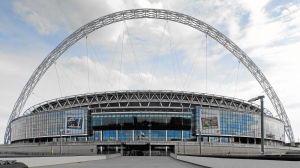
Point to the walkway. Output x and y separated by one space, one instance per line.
130 162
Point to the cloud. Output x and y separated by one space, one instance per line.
44 26
269 35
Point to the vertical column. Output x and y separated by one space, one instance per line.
133 135
166 135
166 150
101 135
117 135
181 135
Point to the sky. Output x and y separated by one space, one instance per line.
150 54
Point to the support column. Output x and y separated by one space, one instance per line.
132 135
166 135
166 150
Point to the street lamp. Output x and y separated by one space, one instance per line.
108 147
178 148
34 134
184 146
261 98
231 139
121 142
254 141
60 131
198 134
150 125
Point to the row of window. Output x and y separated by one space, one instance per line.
135 135
70 122
129 121
209 121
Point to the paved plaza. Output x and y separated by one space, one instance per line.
130 162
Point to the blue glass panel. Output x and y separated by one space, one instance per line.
174 135
109 135
125 135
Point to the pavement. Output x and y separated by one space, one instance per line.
118 161
42 161
130 162
238 163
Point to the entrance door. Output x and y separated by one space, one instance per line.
143 150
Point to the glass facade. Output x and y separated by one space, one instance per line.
230 123
142 120
214 124
48 124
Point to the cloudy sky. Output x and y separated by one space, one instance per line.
150 54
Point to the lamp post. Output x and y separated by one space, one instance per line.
261 98
60 131
34 134
231 136
184 146
121 141
108 148
178 148
200 139
150 125
254 137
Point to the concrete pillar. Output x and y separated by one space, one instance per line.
181 135
132 135
166 150
166 135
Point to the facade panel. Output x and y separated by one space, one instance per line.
172 122
49 124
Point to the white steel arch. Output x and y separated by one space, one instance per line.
154 14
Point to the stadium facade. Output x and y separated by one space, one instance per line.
145 117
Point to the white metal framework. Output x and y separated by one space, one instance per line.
145 99
154 14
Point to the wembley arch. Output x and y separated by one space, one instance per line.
153 14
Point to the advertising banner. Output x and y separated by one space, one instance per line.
210 122
74 123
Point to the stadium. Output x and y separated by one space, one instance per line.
136 122
135 118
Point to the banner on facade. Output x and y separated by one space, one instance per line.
74 122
